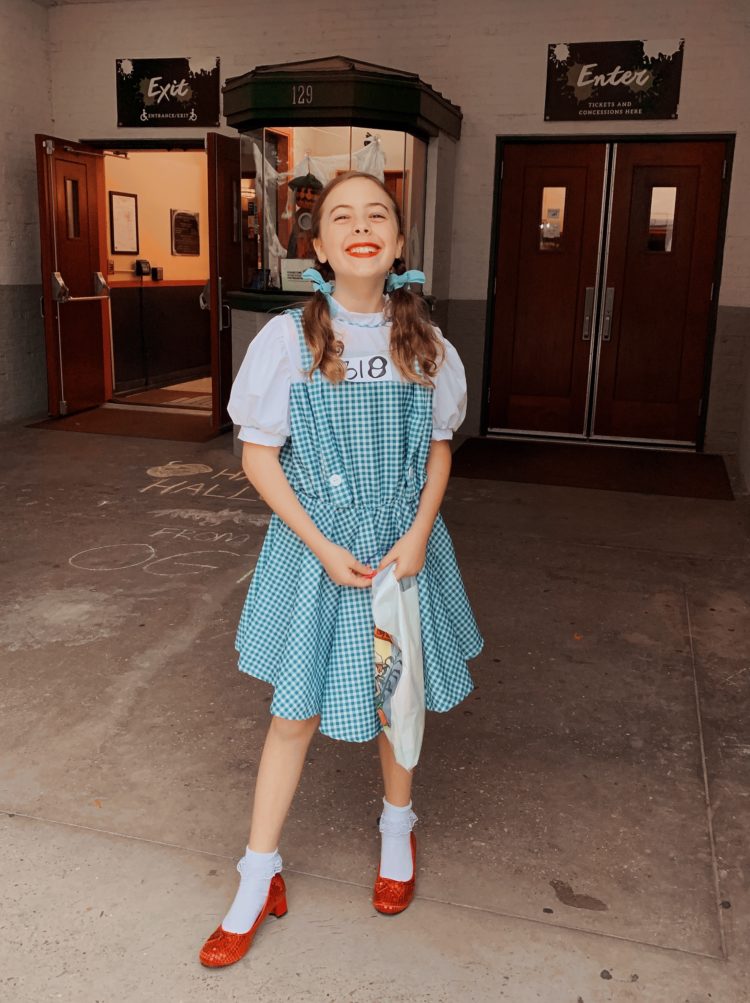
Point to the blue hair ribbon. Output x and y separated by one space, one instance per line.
399 281
321 286
394 282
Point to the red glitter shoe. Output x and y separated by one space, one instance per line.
224 948
391 897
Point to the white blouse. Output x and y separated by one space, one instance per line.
259 401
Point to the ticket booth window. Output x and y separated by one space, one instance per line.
283 170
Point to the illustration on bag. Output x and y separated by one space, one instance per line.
388 667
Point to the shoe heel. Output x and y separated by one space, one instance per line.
280 909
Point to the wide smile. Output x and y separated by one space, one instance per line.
365 250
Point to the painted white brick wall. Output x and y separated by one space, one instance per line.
489 56
25 109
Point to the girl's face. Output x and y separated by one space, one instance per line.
359 235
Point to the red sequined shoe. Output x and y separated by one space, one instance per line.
224 948
391 897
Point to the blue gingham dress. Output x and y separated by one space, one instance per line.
356 459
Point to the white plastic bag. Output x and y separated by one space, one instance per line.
395 609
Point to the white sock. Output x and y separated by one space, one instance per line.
256 871
395 842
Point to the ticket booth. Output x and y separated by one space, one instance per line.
300 125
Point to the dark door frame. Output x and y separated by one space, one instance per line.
728 138
172 145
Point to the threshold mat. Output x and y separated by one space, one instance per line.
606 468
132 423
163 397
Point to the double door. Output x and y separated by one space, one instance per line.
606 280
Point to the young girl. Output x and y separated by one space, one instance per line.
346 410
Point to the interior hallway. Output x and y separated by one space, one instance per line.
565 853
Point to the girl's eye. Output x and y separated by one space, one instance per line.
342 216
378 215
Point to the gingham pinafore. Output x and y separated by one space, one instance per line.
356 459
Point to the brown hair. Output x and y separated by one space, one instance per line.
413 339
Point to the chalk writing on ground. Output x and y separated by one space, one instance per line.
113 557
119 556
201 535
204 517
177 564
177 469
224 483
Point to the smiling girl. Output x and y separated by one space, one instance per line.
346 409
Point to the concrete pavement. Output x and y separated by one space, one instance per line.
583 814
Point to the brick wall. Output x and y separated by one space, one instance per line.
25 109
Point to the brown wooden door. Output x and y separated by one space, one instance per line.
549 226
73 246
660 267
225 262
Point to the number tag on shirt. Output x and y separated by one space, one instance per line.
368 369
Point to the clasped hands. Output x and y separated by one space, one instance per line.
343 568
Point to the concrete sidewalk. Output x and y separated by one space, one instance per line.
583 814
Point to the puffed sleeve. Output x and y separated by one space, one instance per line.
449 396
259 401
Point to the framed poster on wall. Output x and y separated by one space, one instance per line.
185 232
123 223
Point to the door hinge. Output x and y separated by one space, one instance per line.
49 146
494 287
711 294
724 169
700 407
502 167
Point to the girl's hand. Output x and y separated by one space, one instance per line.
343 568
409 553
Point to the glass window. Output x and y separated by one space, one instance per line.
283 172
661 219
72 210
552 219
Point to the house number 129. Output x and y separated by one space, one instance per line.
302 93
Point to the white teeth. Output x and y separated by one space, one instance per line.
362 250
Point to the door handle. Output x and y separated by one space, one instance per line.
609 300
204 299
222 307
61 293
588 313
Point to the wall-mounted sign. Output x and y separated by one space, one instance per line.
185 232
167 92
633 79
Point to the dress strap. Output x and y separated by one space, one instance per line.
304 351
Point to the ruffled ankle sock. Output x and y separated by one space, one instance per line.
256 871
395 842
